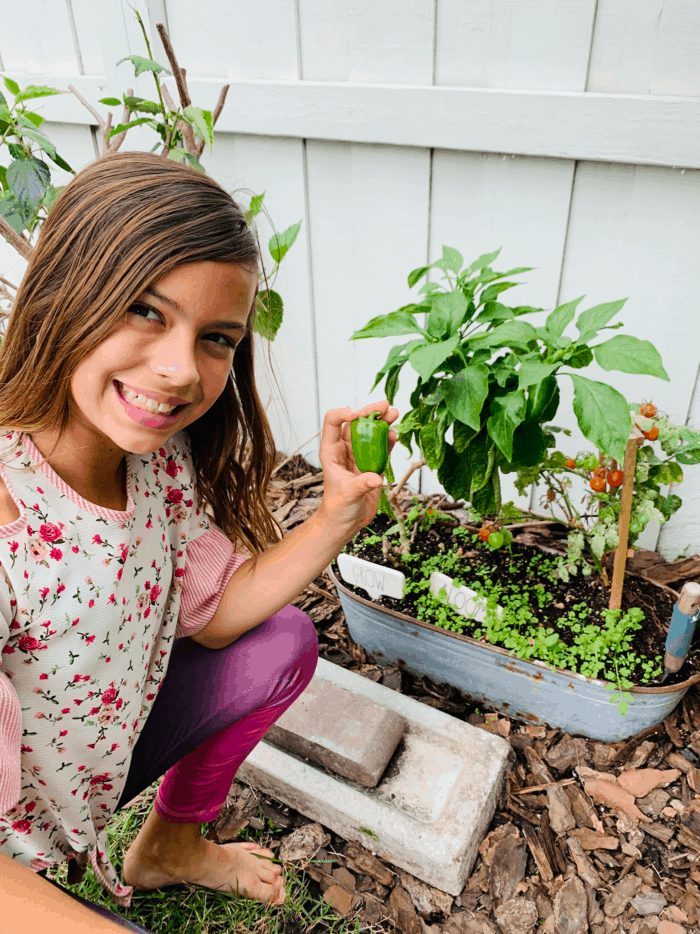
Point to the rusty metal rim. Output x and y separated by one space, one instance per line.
500 651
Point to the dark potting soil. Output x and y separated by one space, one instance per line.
512 567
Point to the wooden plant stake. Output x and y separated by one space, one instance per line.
623 528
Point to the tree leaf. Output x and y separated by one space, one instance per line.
630 355
17 213
28 179
562 317
452 259
34 90
466 393
280 243
255 207
11 85
534 371
203 122
268 314
142 64
391 325
110 101
603 415
398 355
121 127
591 321
426 359
391 386
507 412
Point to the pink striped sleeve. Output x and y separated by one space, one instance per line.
211 562
10 711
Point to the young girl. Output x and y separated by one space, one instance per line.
136 641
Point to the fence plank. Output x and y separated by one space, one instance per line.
276 167
236 39
513 43
36 39
646 47
368 215
359 40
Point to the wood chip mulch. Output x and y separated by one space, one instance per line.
587 836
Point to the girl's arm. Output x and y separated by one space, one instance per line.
350 501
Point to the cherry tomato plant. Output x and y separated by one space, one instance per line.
594 529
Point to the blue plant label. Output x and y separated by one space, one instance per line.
464 601
375 579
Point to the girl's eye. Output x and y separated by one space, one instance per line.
227 342
137 309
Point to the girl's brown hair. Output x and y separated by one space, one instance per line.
121 224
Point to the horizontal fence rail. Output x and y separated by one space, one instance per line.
621 128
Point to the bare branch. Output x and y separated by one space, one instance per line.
416 465
88 106
7 282
177 71
20 243
116 141
216 114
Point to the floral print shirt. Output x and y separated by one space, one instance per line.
89 608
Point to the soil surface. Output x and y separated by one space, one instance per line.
511 569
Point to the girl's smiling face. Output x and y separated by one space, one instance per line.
174 348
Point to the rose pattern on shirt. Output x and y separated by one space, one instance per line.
90 599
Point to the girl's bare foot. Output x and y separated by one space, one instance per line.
231 867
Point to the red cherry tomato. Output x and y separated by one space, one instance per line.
652 434
648 410
597 484
484 534
615 478
570 463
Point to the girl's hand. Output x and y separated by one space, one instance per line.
350 498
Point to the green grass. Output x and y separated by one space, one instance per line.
200 911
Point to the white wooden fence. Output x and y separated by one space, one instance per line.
566 132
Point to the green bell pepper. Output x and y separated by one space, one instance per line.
370 443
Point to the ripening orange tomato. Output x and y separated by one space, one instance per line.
570 463
597 484
652 434
648 410
615 478
484 534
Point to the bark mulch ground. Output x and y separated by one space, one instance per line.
587 836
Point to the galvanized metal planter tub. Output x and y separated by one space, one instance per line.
526 690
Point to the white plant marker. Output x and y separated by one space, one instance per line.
377 580
463 600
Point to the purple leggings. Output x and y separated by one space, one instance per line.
213 708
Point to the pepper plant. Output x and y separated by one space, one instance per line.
26 188
491 377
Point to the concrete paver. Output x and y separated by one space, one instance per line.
351 734
433 805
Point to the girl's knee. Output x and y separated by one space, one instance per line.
298 640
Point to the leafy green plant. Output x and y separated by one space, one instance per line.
492 377
26 189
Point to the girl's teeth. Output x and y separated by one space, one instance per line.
143 402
